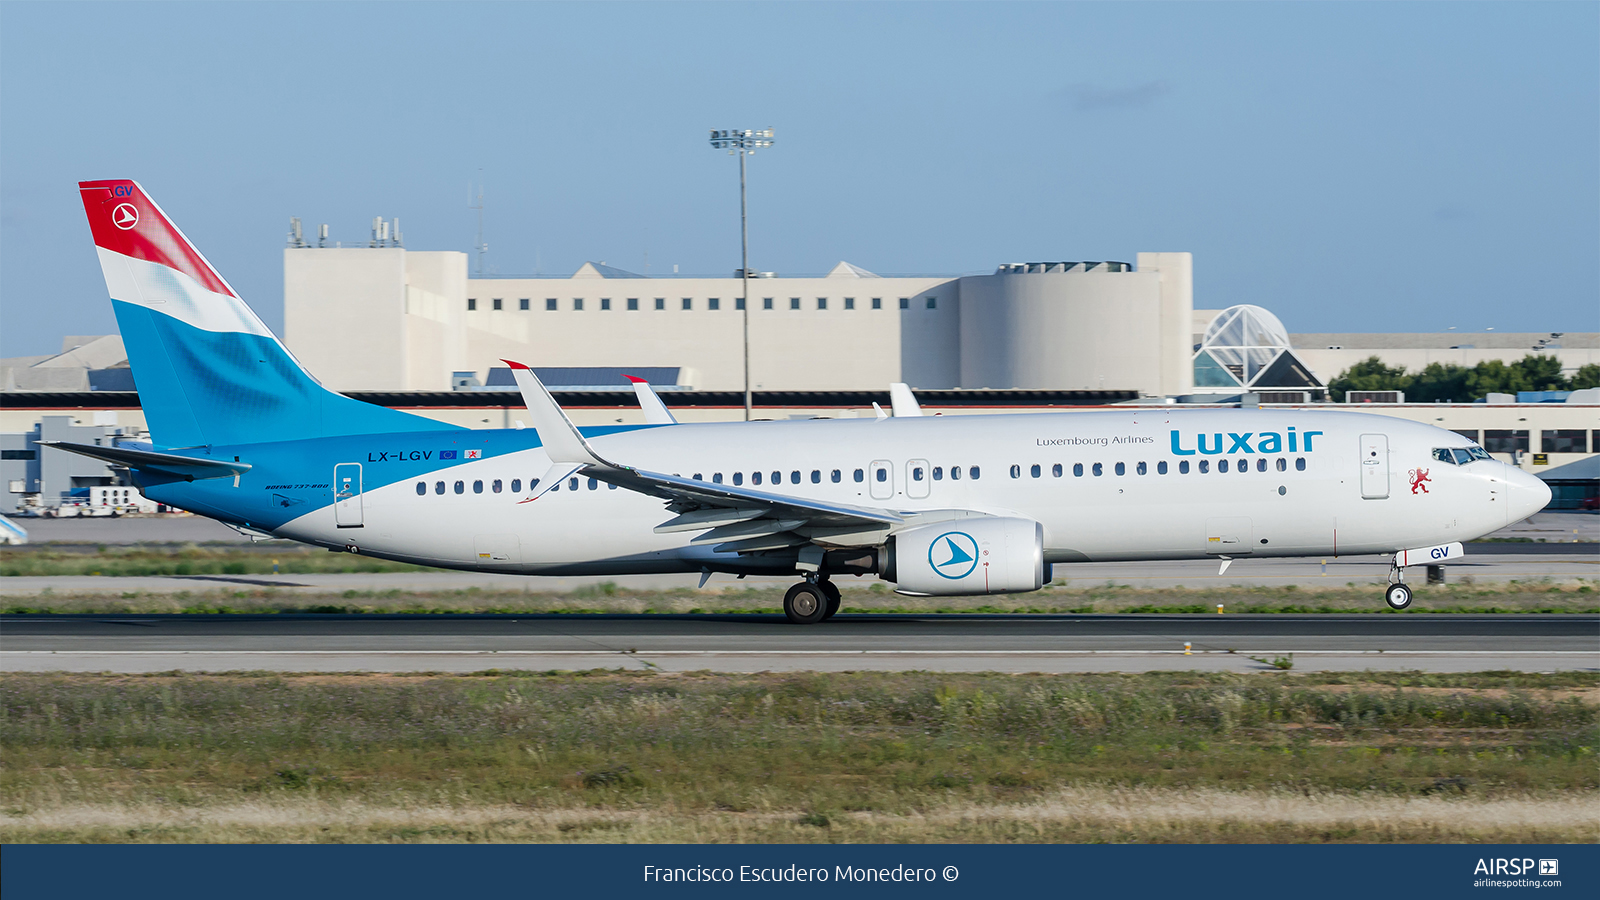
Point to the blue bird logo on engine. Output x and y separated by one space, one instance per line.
953 554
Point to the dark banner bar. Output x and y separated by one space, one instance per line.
1125 871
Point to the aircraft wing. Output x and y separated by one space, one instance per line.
169 463
741 519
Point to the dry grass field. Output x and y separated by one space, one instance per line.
859 757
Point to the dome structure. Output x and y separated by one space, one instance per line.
1246 348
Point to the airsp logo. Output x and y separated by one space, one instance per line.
125 216
953 554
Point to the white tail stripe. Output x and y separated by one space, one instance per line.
173 293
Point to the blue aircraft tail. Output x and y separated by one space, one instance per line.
207 370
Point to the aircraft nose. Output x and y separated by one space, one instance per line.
1527 494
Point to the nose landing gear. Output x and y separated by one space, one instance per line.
811 601
1398 596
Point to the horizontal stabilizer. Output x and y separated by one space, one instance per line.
187 467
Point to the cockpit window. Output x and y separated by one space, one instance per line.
1460 456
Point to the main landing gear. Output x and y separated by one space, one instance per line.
1397 594
811 601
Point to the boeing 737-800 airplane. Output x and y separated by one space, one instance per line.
938 505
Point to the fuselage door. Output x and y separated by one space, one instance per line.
917 479
347 495
1374 466
880 477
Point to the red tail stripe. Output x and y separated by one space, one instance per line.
150 235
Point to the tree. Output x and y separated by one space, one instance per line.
1586 377
1450 383
1368 375
1439 382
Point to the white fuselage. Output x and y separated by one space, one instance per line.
1325 491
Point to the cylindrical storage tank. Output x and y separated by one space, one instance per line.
1062 330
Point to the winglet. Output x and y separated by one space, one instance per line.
902 401
655 412
560 437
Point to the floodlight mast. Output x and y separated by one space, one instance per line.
743 142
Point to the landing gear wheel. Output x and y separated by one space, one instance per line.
1398 596
805 604
831 590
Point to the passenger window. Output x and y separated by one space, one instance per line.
716 478
496 486
594 483
916 473
516 485
1016 471
755 477
1141 469
859 476
1300 464
974 472
438 487
1122 469
1098 470
1077 470
794 477
1035 472
696 477
1261 465
572 484
836 476
938 473
738 478
955 473
880 474
1161 467
533 484
1222 465
461 487
422 488
1243 466
1056 470
610 486
1283 464
816 476
1183 467
1205 466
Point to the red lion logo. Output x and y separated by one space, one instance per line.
1419 479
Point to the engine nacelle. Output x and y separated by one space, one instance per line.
986 555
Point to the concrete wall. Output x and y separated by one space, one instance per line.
1071 330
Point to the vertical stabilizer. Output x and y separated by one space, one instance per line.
207 369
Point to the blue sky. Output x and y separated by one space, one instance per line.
1350 166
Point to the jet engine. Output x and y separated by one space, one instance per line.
989 555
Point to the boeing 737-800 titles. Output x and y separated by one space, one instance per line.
941 505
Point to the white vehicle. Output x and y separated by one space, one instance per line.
939 505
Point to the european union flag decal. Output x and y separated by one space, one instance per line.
447 454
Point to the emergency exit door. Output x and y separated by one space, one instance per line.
1374 466
347 495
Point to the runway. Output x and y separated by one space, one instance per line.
728 643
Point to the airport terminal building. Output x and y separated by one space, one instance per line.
1043 326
